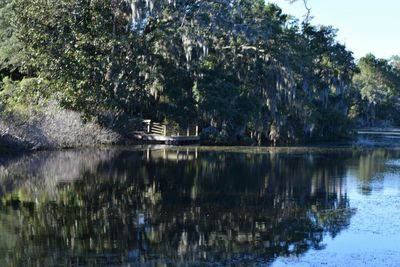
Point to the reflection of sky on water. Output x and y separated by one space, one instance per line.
373 238
394 163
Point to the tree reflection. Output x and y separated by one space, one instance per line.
370 165
206 207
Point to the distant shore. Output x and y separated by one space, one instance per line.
29 137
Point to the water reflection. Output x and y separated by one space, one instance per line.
369 167
164 207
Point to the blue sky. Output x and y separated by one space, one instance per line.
365 26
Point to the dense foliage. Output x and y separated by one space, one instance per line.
240 66
377 91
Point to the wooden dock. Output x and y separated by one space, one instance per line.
160 133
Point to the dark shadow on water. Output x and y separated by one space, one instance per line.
110 207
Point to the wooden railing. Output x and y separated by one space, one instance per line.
165 130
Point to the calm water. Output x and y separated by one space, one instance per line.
201 207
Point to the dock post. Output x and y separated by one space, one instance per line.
187 131
197 130
149 127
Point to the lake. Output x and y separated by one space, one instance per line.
201 206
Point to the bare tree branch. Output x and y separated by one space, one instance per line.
308 8
307 16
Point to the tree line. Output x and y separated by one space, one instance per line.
242 69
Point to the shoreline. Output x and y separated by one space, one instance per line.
295 148
56 130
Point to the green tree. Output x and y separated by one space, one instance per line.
12 59
378 88
241 66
